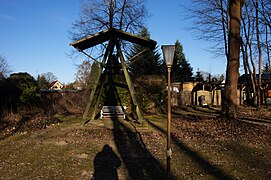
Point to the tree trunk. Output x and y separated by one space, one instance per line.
260 55
267 47
253 73
122 13
111 13
230 94
266 38
224 28
247 53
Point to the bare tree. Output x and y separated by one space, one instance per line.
265 12
246 47
86 74
4 66
99 15
49 76
255 44
210 22
256 4
219 22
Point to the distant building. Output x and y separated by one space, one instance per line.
56 85
246 93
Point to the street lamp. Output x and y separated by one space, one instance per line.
168 53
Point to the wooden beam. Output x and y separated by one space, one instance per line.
129 83
94 110
93 91
135 57
108 34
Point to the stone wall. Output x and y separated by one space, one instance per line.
217 98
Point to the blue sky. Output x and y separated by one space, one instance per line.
35 39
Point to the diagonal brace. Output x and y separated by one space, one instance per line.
129 83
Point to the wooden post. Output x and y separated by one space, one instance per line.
169 151
129 83
98 98
93 91
91 96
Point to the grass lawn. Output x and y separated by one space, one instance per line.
203 148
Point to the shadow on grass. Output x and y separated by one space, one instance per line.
196 113
106 164
204 164
206 109
261 121
252 159
138 160
195 116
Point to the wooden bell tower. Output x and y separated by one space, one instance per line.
112 63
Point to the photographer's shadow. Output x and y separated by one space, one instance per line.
106 164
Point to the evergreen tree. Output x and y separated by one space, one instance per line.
42 82
149 63
28 87
199 76
22 80
266 69
181 69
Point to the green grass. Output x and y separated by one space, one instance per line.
202 149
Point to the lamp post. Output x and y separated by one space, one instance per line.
168 53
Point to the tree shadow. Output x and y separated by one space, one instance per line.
106 164
246 155
256 120
204 164
195 113
138 160
206 109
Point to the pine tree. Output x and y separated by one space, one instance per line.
181 69
199 76
42 82
266 69
149 63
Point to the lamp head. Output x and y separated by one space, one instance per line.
168 53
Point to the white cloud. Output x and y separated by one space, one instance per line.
55 17
6 17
